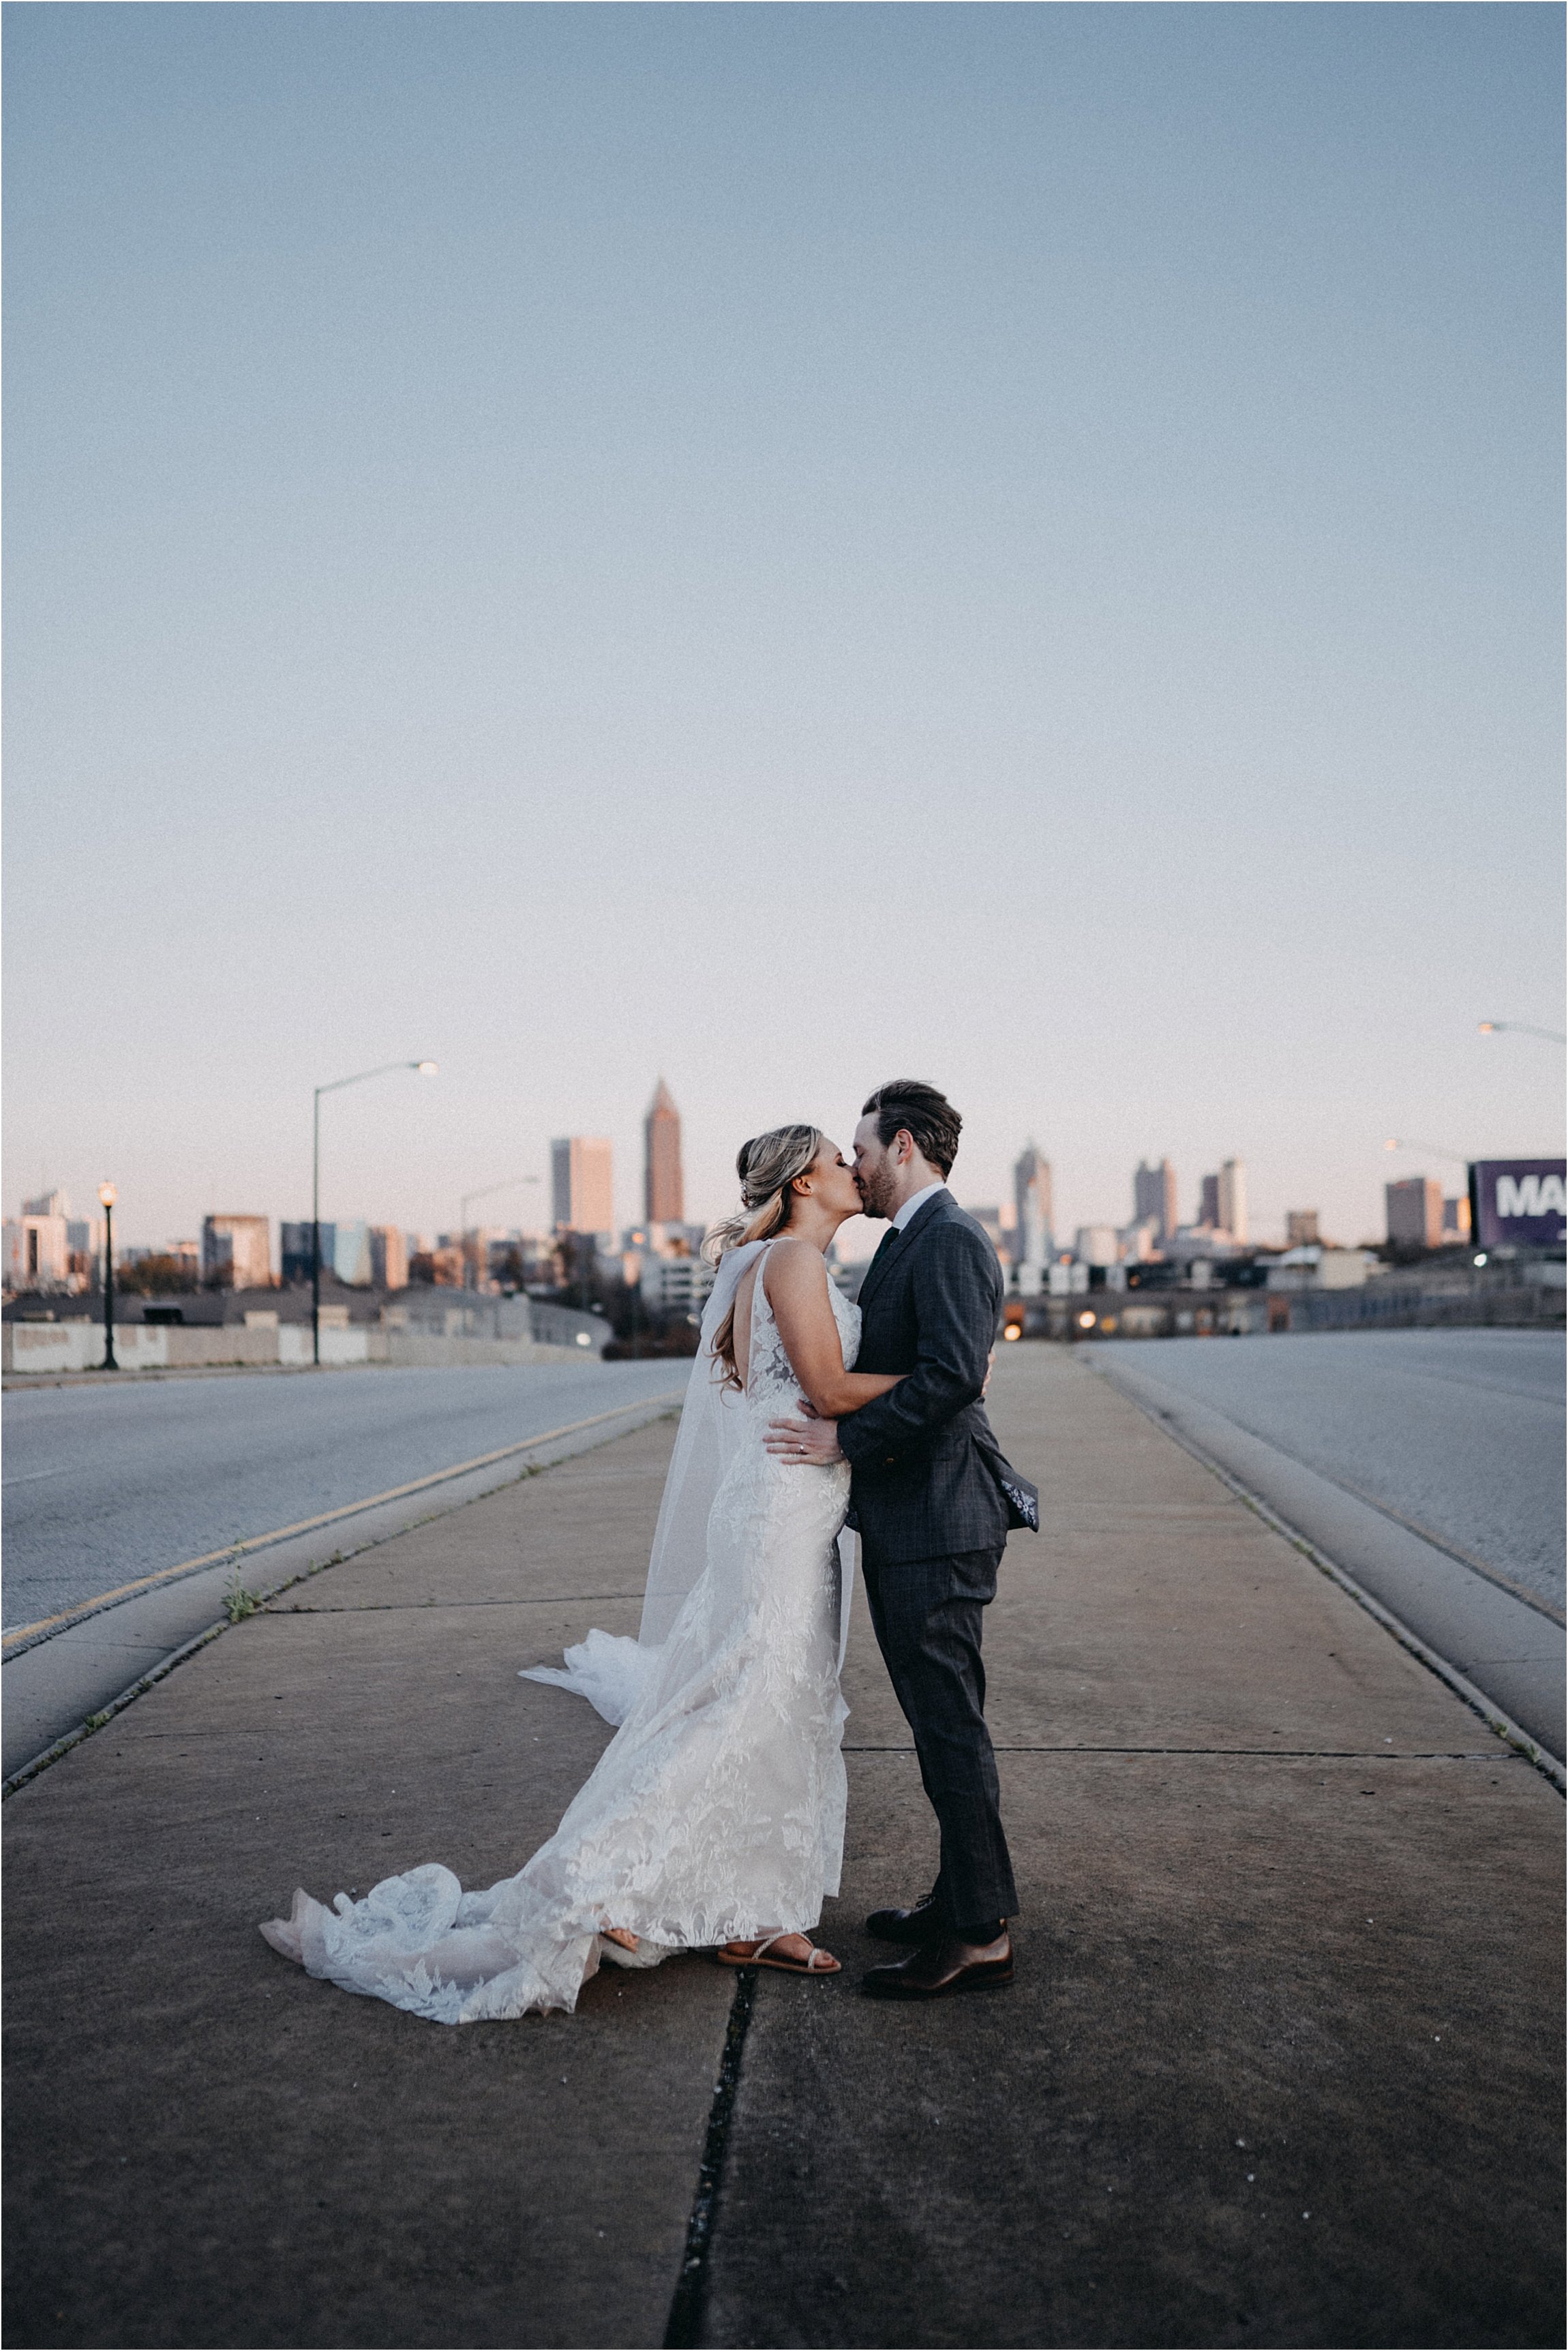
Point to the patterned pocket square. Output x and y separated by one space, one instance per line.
1021 1497
1023 1501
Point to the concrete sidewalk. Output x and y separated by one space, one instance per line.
1282 2062
97 1655
1281 2066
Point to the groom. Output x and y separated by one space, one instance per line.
933 1522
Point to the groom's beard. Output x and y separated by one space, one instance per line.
874 1202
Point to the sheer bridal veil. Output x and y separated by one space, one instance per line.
609 1670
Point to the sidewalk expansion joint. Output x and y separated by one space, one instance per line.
684 2328
1279 1754
384 1607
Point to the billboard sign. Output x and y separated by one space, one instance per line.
1517 1203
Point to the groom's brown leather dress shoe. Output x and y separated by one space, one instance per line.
919 1924
942 1967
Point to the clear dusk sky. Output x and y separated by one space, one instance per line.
785 547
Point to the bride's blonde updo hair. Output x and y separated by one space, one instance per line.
767 1167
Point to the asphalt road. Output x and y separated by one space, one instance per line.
1459 1432
103 1485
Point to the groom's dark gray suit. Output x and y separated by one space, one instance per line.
932 1525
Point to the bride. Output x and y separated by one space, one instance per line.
716 1815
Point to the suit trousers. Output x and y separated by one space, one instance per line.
928 1618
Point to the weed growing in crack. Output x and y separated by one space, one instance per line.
239 1604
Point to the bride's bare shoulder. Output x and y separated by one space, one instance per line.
793 1267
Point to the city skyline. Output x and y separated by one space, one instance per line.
46 1249
1020 547
582 1199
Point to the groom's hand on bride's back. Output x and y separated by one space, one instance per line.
810 1440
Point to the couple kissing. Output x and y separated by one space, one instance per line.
715 1818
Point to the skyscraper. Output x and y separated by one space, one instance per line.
1414 1212
389 1258
1208 1202
353 1254
1233 1199
1031 1235
580 1182
37 1250
1154 1195
664 1192
236 1252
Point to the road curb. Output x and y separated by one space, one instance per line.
649 1410
1495 1718
98 1721
28 1636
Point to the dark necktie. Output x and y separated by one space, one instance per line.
886 1246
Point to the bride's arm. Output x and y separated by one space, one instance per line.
796 1276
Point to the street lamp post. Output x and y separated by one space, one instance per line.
1523 1029
108 1196
425 1070
1435 1150
509 1184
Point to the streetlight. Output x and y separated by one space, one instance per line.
108 1196
1414 1143
482 1194
1523 1029
425 1070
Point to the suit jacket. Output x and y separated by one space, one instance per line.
930 1303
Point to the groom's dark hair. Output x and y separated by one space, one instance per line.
923 1113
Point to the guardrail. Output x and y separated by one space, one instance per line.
1386 1303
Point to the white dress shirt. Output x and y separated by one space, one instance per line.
913 1206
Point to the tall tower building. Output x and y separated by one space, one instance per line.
1233 1199
583 1192
664 1191
1416 1212
1032 1235
1154 1195
1208 1202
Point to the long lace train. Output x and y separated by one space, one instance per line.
718 1810
609 1670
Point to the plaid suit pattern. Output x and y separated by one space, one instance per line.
933 1526
930 1304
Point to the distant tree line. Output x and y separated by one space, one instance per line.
157 1277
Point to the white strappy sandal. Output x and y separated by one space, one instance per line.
821 1963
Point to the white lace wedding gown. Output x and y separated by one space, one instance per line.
717 1812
